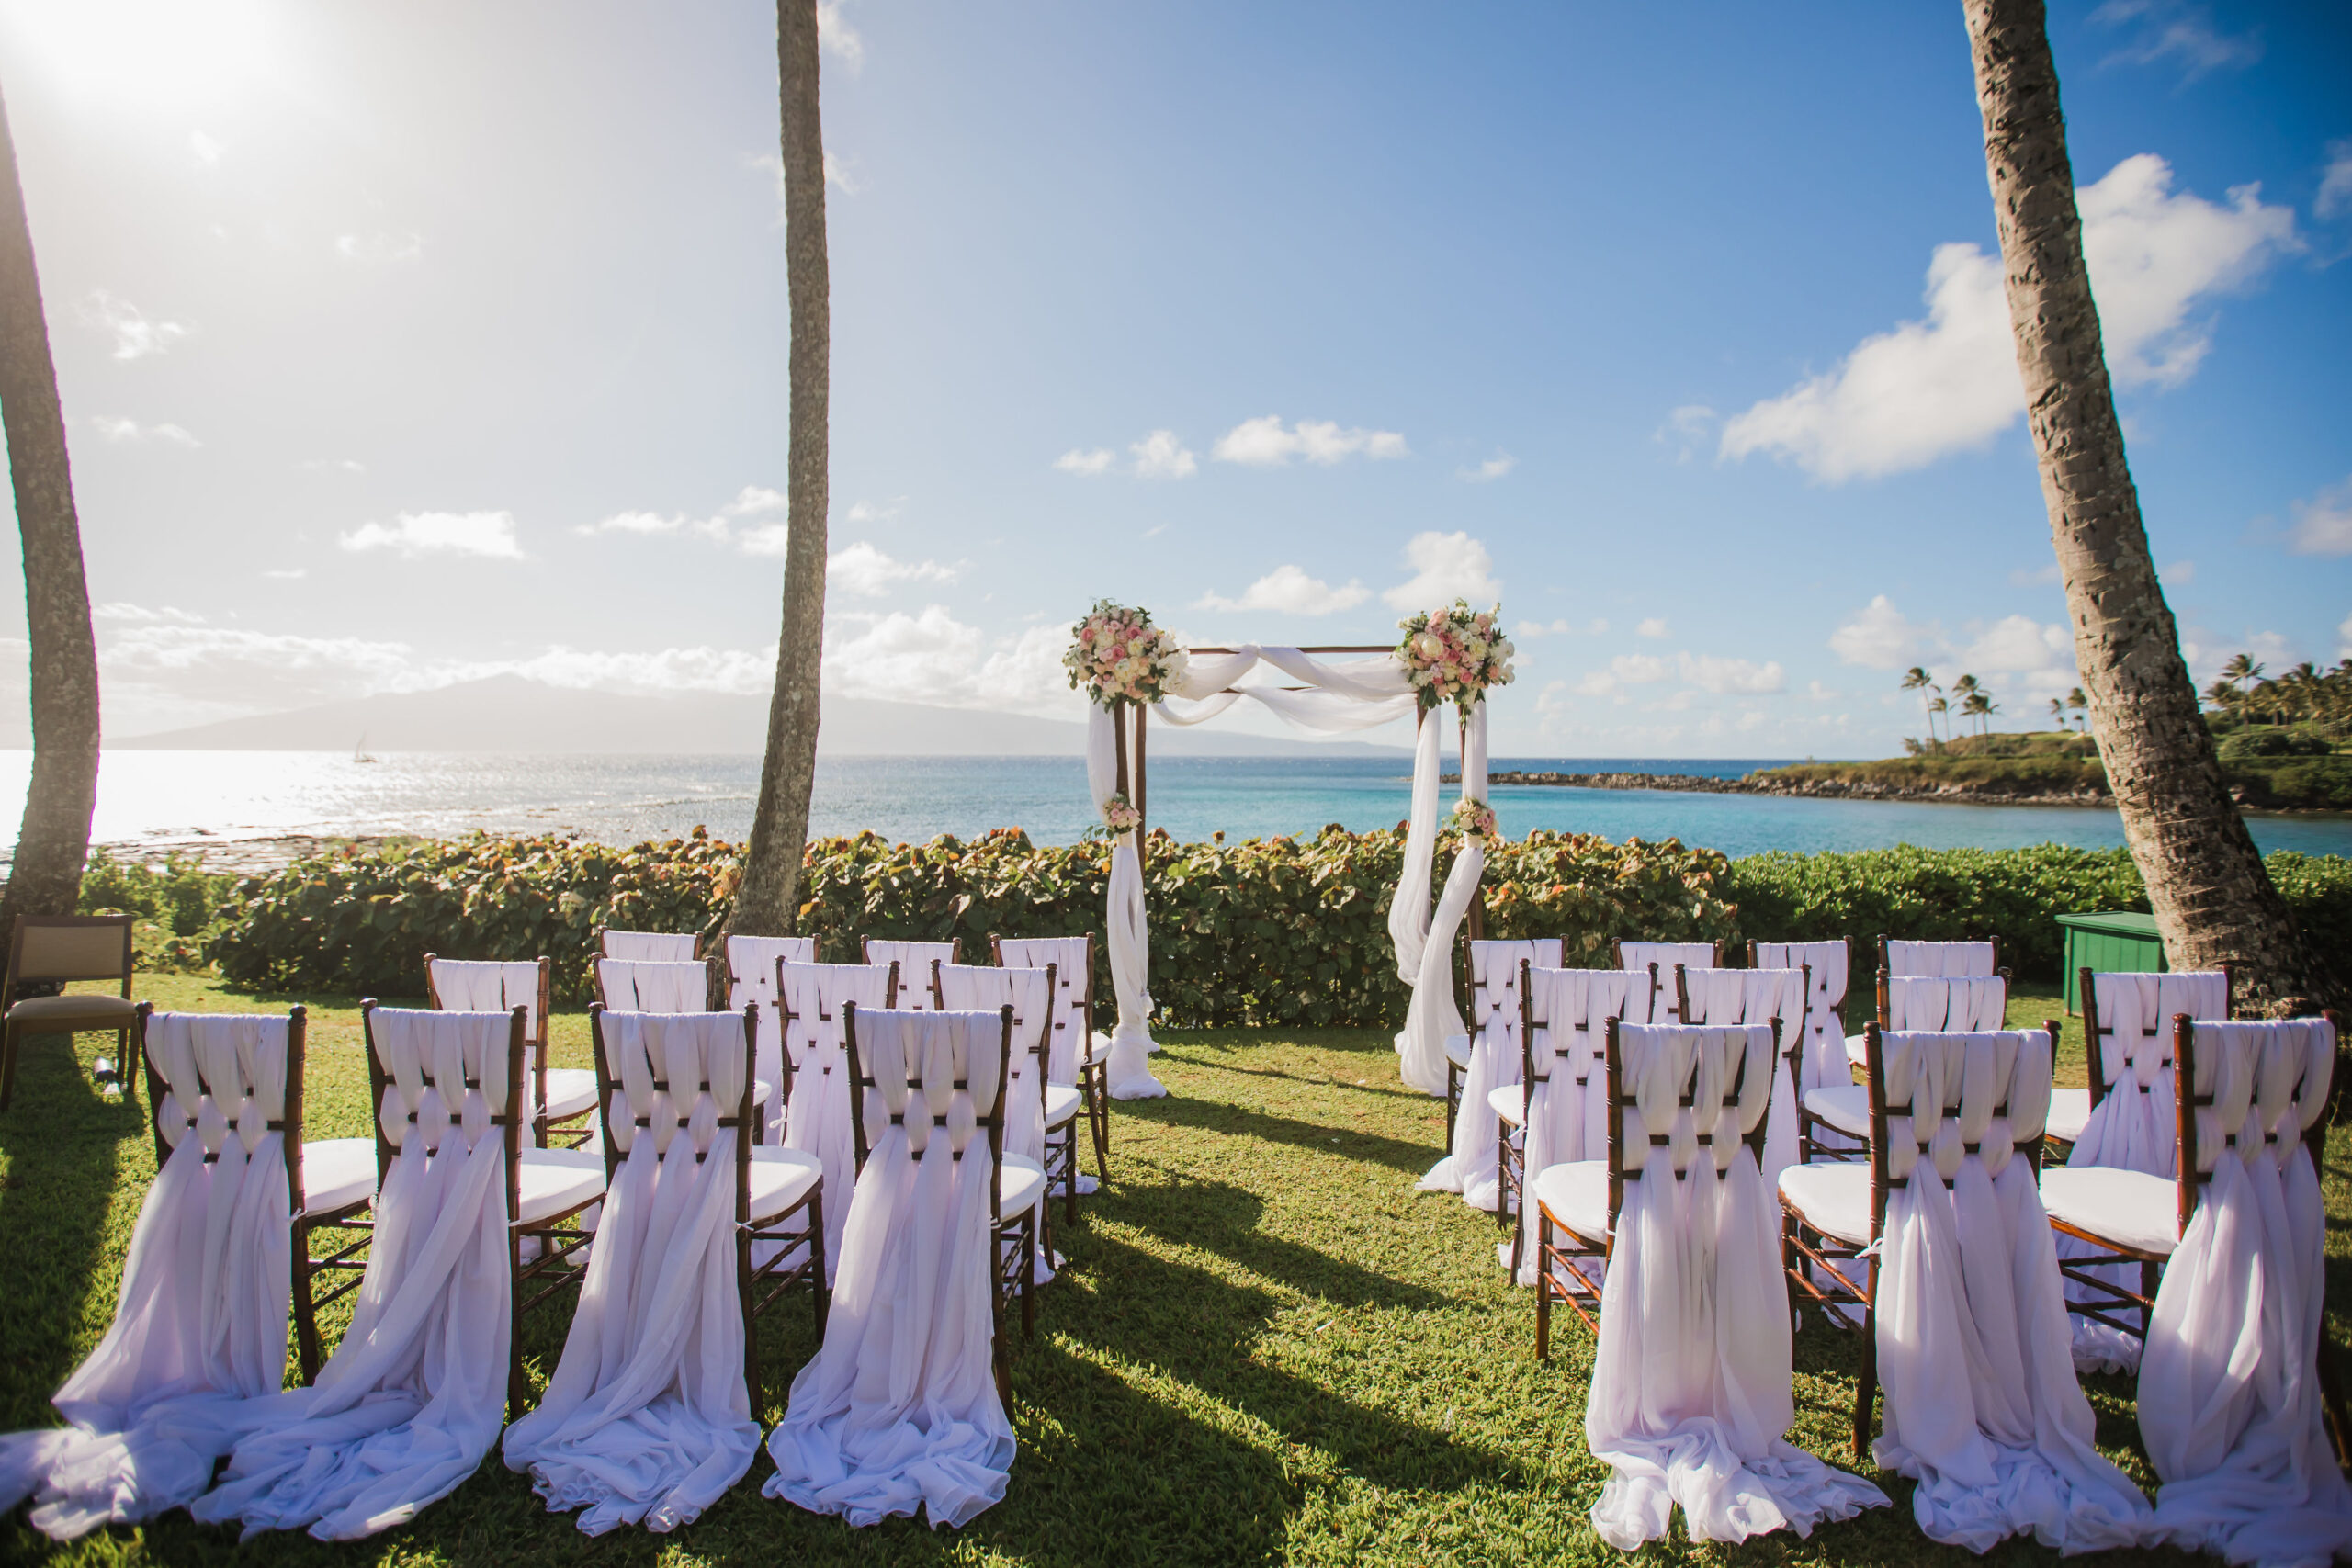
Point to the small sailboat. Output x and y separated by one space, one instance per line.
360 753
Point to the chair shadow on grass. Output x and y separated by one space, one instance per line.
1239 1122
65 1147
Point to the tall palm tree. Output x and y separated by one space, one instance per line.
1976 705
2058 712
769 894
54 841
1935 706
1918 679
2241 667
2212 897
2081 705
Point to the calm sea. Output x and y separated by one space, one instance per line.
163 797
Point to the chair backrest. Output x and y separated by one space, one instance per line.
2128 1023
1828 968
627 984
1721 997
936 1072
914 960
224 1075
1565 1015
1497 1009
1915 1002
439 1075
660 1075
70 947
1665 956
648 947
1949 960
1938 1096
1071 958
2259 1089
751 980
1685 1088
973 988
808 1003
464 985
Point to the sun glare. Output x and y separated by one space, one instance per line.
153 53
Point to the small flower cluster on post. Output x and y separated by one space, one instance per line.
1117 655
1473 816
1119 814
1453 655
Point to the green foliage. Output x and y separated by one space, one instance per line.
2247 743
2310 783
173 903
2042 773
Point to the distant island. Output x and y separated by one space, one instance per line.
2270 768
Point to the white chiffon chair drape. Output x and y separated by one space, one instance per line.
1662 956
413 1399
2134 1125
2230 1404
914 960
817 1121
1031 1102
1495 1064
201 1322
648 1419
1934 1005
1948 960
1077 1057
899 1409
1721 997
650 947
751 982
1692 1392
1822 1063
1566 1114
631 985
1968 1317
481 986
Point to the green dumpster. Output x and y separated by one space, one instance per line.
2116 943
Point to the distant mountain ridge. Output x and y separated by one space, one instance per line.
511 713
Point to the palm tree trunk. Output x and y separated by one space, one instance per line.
769 894
46 878
2212 895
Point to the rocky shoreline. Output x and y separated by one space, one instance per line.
1817 789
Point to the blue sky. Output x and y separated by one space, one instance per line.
404 344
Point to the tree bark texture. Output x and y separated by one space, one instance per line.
2212 897
767 898
54 840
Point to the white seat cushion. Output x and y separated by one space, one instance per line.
336 1172
1457 1050
1858 1052
570 1091
1577 1195
1509 1102
1845 1107
2127 1206
1019 1183
1834 1199
555 1179
1062 1103
2070 1113
781 1178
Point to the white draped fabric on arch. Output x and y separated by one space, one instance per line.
1333 696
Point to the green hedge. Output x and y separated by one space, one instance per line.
1276 931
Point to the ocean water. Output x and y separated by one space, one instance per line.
166 797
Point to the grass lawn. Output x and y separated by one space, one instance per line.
1267 1347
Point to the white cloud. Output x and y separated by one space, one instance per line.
1686 430
1727 676
2334 198
1096 461
863 568
1815 692
207 151
122 610
1446 566
339 465
948 662
1561 627
1925 389
1491 469
135 337
1880 636
2038 576
871 512
1160 456
1262 442
1287 590
2171 30
2324 524
379 249
288 574
833 32
2018 645
1625 670
1654 627
130 432
2344 638
735 524
2180 573
634 523
839 175
489 535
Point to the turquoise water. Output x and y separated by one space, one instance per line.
165 796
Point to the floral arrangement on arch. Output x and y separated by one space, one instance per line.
1117 655
1453 655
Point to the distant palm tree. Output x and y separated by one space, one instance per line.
1978 705
2211 895
2081 705
2058 712
1963 693
1934 707
1916 680
2241 667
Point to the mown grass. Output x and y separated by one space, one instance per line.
1267 1347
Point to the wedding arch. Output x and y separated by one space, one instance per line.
1131 670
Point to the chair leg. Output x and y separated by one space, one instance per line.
517 1391
306 1312
1866 1385
818 1287
1069 1177
1029 1281
7 1064
122 1066
1099 1106
1504 1192
1543 1286
750 1319
1452 1100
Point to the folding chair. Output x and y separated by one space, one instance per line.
1820 1053
1783 997
56 949
2127 1039
561 1098
1941 960
812 1007
751 982
1490 1056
